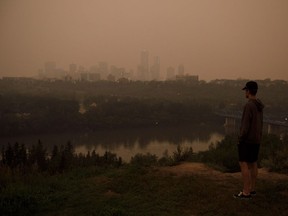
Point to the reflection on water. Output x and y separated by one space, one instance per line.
153 146
127 143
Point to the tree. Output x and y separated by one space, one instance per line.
9 156
38 156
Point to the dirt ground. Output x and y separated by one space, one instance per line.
188 168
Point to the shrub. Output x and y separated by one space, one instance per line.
222 155
273 153
144 160
278 161
166 161
182 154
18 202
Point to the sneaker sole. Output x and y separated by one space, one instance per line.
242 198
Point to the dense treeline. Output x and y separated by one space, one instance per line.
26 114
37 159
115 111
31 106
216 91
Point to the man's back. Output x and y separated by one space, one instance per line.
252 122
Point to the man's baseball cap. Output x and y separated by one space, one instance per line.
251 85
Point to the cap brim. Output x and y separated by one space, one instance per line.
244 88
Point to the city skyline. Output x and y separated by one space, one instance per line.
149 68
224 39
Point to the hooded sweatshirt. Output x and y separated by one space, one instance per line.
252 122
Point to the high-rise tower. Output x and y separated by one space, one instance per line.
155 69
50 69
143 68
181 70
170 73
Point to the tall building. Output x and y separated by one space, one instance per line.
93 69
117 72
170 73
72 68
155 69
103 69
143 68
181 70
50 69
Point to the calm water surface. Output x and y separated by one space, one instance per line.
127 143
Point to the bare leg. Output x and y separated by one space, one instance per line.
246 176
253 173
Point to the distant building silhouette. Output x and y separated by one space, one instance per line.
72 68
103 69
143 68
50 70
145 71
155 69
170 75
181 70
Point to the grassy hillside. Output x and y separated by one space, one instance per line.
134 190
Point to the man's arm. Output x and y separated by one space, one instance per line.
245 123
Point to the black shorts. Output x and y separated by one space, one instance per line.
248 152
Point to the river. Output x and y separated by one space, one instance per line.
127 143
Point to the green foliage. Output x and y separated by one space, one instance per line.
278 162
274 153
26 114
182 154
166 161
146 160
20 203
115 111
63 158
54 115
53 107
269 146
222 155
38 156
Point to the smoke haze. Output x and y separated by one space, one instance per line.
213 39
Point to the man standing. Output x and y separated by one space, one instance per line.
249 140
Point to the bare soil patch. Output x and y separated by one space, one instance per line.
189 168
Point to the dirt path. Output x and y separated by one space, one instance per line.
201 169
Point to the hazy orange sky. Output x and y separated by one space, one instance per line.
214 39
